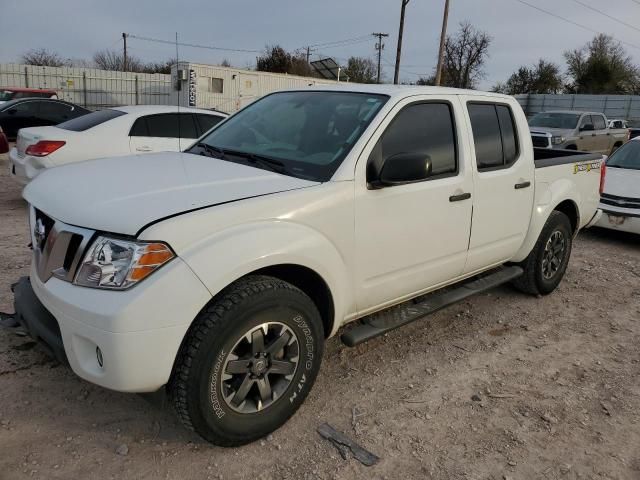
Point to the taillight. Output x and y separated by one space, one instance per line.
44 147
603 174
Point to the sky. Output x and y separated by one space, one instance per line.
521 34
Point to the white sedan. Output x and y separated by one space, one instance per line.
620 190
108 133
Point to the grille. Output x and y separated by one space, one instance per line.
539 141
623 202
60 251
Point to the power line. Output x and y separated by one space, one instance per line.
193 45
354 39
571 21
607 15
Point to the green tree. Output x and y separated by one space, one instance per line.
276 59
361 70
543 77
602 66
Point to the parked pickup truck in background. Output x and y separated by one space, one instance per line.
218 273
573 130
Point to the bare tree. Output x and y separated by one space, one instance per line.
225 63
465 54
42 57
112 60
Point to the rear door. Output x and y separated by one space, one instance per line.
164 132
503 184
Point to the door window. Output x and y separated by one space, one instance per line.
165 126
207 122
586 120
55 112
425 129
598 122
494 135
25 109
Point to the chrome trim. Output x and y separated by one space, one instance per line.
49 260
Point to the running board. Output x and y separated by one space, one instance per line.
382 322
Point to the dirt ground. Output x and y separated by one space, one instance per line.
555 383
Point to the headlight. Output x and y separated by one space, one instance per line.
118 264
557 140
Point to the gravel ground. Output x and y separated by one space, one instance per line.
503 386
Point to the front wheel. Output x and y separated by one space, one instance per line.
546 264
248 362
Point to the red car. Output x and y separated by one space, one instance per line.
4 143
13 93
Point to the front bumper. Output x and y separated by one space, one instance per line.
138 331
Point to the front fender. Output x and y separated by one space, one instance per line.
548 197
230 254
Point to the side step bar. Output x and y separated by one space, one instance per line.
382 322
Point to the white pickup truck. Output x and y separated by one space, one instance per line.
218 273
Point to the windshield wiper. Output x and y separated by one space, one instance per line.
254 158
211 150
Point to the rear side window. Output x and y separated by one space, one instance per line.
424 128
598 122
90 120
494 135
207 122
166 126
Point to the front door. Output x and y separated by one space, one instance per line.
413 236
503 185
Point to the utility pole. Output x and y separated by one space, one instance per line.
379 47
308 54
399 51
124 58
443 36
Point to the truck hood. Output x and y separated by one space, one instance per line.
124 194
556 132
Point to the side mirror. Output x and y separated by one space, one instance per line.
404 168
587 128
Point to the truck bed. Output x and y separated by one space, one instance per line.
549 157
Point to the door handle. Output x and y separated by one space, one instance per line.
522 185
143 149
459 198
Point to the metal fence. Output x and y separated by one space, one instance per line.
91 87
613 106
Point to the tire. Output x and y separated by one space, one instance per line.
542 275
229 386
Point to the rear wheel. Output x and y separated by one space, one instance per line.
546 264
248 362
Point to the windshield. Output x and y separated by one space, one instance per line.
567 121
307 133
6 95
627 156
